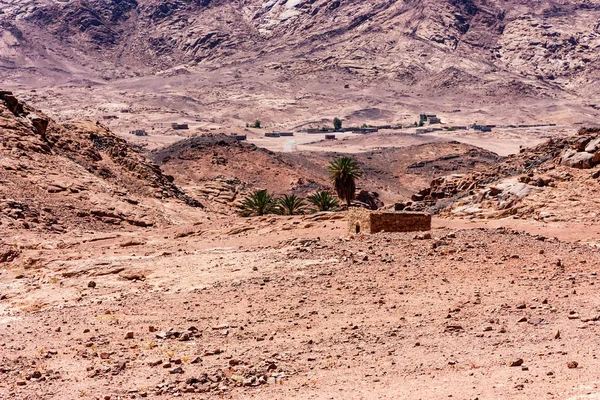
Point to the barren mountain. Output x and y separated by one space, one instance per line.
224 63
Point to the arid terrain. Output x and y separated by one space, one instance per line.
127 270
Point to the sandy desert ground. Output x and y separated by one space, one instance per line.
297 308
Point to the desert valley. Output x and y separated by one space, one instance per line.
307 199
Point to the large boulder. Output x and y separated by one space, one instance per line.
370 198
593 146
581 143
580 160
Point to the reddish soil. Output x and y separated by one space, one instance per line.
302 312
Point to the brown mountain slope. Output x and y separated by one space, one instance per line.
222 169
224 63
405 40
57 177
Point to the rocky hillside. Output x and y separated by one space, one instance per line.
489 47
220 169
58 177
555 181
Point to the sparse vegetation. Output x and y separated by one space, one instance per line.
337 123
323 201
344 172
258 203
291 205
257 124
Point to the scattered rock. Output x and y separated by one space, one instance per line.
516 363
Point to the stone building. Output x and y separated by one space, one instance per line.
176 125
361 220
239 136
139 132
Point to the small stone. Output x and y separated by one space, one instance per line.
196 360
572 364
524 368
521 306
151 329
557 335
516 363
21 383
91 284
523 319
155 363
129 335
177 370
104 356
36 375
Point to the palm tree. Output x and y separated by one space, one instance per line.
323 201
259 203
291 204
344 172
337 124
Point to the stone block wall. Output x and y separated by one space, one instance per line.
359 220
400 222
365 221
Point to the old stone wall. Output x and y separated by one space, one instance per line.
359 220
400 222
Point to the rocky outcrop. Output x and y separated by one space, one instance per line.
501 188
55 176
369 200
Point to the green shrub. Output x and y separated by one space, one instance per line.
259 203
337 123
323 201
291 205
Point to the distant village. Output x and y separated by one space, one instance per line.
427 123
